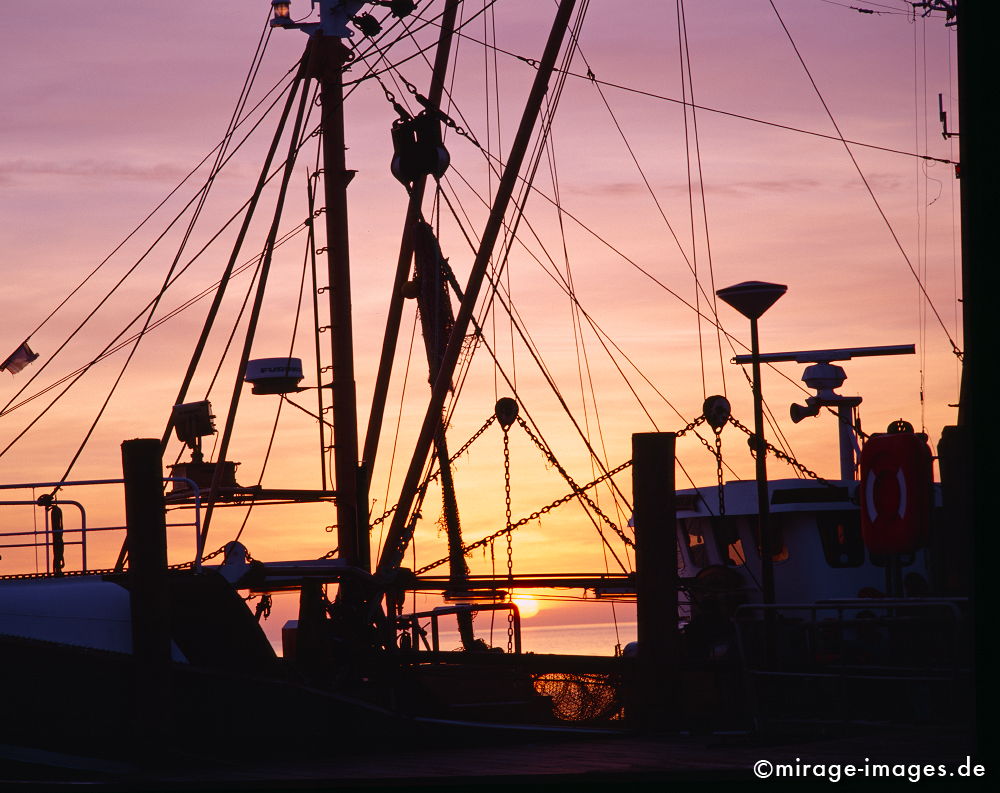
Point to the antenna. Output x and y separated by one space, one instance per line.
824 377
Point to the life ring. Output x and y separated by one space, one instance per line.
896 491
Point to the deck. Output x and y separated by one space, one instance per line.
550 762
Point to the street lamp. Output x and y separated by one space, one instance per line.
752 299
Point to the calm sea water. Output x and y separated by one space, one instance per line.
596 638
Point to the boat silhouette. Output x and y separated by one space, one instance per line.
762 600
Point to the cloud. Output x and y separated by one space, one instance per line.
880 182
611 188
12 171
775 186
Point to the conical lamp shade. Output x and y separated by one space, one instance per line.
752 298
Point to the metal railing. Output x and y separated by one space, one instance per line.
410 623
50 537
857 660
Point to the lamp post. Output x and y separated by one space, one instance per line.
752 299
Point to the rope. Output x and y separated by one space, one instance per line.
466 549
195 215
111 347
954 347
590 77
294 146
556 277
132 233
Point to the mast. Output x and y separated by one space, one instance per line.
413 214
434 307
352 521
398 536
326 58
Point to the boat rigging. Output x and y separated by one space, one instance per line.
736 543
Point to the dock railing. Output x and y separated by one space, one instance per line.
53 537
882 660
417 631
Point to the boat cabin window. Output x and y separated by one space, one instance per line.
727 540
712 541
735 553
694 538
840 533
778 549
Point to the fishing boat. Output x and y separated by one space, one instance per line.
286 591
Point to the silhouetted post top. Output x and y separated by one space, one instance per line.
752 298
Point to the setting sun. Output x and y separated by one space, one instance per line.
388 357
527 605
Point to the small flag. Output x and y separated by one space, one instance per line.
18 359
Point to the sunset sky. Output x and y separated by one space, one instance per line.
107 108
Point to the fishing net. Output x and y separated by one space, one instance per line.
582 697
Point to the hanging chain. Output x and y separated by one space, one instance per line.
718 470
779 454
532 517
685 430
109 570
437 474
486 425
697 422
212 555
510 537
401 111
443 117
465 447
263 608
577 490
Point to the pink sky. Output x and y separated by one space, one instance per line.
106 110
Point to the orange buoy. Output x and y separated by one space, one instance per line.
895 492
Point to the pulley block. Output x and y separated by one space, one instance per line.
716 410
506 412
418 149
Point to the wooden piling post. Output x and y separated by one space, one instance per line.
146 539
654 497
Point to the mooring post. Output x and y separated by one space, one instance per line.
654 517
146 539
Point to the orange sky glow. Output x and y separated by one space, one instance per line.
106 111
